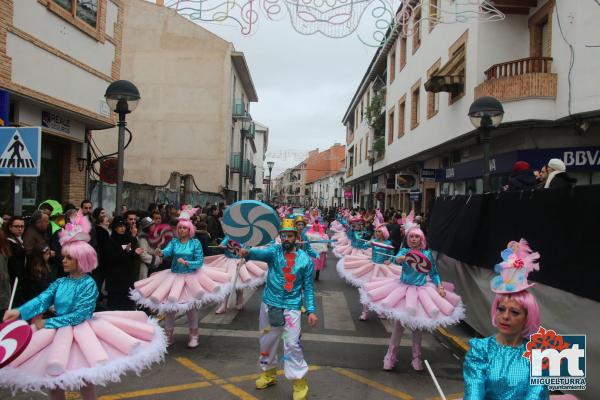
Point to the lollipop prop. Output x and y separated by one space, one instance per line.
437 385
251 223
418 261
12 295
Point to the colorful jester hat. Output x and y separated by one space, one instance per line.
78 228
518 260
187 212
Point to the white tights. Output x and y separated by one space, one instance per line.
192 315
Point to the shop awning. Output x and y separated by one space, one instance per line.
450 77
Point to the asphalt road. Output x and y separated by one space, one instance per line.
345 356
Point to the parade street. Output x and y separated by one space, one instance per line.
345 357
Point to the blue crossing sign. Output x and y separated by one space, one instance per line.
20 151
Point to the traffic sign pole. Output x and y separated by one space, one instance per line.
18 196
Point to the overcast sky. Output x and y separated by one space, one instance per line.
304 84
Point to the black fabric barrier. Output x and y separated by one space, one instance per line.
562 225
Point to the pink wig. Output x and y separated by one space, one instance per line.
83 253
528 302
189 225
318 226
418 232
384 230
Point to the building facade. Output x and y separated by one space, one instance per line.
56 60
192 127
421 83
328 190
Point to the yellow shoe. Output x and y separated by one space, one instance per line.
300 389
266 379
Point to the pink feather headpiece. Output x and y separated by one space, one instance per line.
77 229
408 222
187 212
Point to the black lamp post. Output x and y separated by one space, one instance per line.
122 97
371 202
486 113
270 165
246 120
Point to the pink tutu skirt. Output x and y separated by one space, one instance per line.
320 262
416 307
252 273
340 239
97 351
166 291
346 250
336 226
360 269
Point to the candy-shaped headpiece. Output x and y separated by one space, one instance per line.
518 260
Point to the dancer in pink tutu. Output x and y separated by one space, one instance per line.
251 274
413 301
187 286
78 348
316 234
358 244
360 269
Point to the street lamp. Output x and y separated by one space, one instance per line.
122 97
486 113
372 162
270 165
246 120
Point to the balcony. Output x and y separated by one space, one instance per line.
519 79
250 133
247 169
234 165
239 109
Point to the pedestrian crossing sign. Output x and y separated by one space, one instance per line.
21 151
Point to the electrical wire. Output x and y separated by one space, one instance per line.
572 56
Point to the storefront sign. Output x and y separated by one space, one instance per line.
406 181
415 196
56 122
575 158
348 194
427 174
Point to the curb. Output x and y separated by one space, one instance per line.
458 345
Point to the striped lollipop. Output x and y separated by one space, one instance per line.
418 261
251 223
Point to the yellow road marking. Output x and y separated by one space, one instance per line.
236 391
251 377
153 391
396 393
72 396
454 396
206 374
457 340
186 362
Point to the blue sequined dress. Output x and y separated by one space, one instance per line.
78 346
496 372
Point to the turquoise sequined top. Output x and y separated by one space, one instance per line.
275 294
380 254
228 253
357 240
74 301
306 246
190 251
410 276
496 372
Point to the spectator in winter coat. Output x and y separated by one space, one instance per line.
204 237
522 177
147 260
36 277
5 287
16 262
120 255
36 233
557 175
